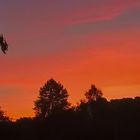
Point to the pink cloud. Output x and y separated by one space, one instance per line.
93 12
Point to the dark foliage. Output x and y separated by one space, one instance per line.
3 44
3 116
106 120
93 94
52 99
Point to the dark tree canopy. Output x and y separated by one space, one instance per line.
93 93
92 119
3 117
52 98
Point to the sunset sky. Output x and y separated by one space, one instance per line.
76 42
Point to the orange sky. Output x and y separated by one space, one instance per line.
76 43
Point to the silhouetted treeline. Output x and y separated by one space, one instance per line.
94 118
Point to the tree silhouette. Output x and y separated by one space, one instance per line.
52 98
3 117
93 93
94 99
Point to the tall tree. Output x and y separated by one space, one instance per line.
93 94
53 97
